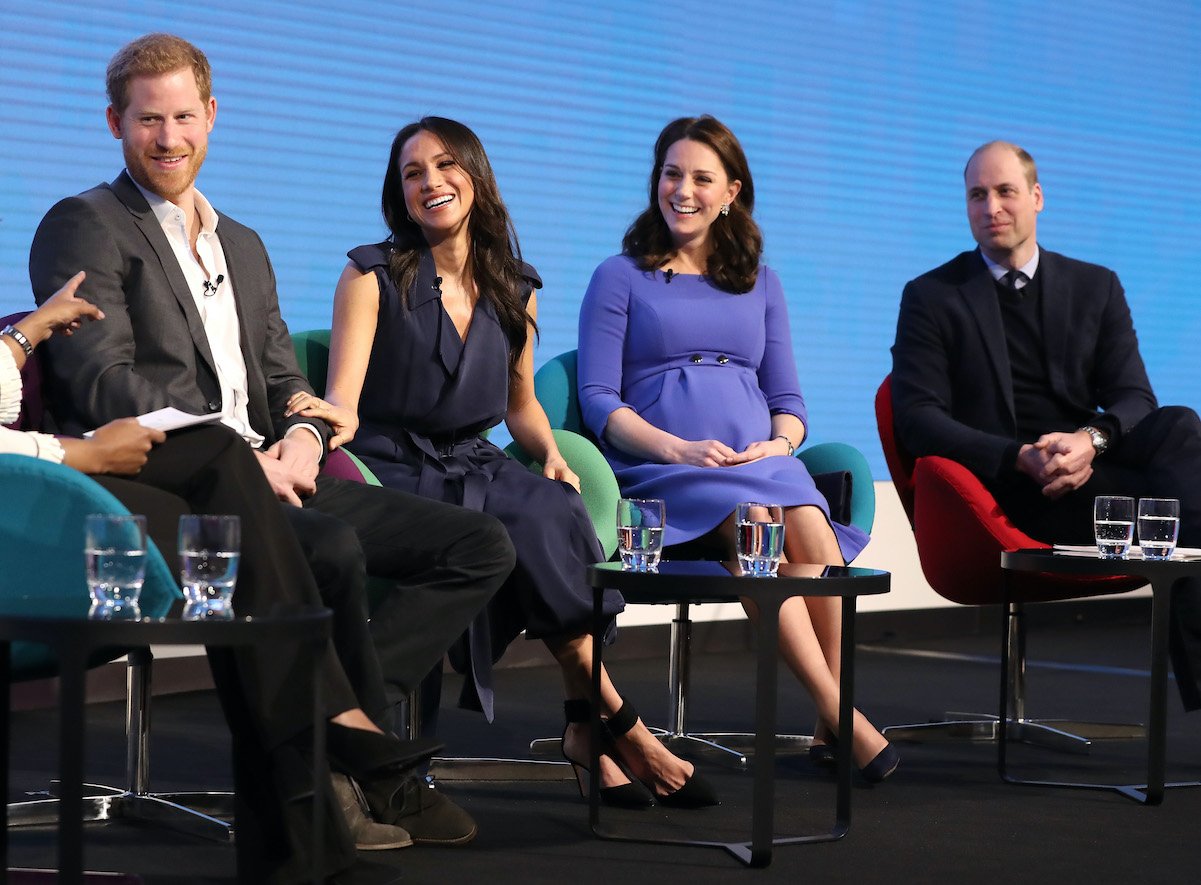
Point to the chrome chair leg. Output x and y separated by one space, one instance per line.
478 768
1064 735
206 814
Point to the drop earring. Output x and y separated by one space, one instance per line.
725 209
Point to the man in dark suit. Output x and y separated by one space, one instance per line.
193 321
1023 365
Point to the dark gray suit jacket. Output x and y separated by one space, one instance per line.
151 350
952 385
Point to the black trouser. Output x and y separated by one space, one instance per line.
449 562
1160 457
446 562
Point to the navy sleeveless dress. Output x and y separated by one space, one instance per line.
427 396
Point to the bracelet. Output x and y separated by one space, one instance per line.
18 336
791 448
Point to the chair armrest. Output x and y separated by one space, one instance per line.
41 546
833 457
961 531
343 464
598 485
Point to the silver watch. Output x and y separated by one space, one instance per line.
1099 438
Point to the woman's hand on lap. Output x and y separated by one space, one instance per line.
705 453
556 468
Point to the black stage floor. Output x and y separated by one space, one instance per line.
944 815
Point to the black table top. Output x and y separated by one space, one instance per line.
58 621
1045 559
707 581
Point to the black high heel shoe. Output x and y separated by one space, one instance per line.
696 792
823 754
884 764
630 795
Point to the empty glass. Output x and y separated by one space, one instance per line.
209 548
1113 524
640 533
114 552
1158 525
760 538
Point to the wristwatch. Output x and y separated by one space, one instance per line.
1100 439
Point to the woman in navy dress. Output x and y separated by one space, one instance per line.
431 346
686 375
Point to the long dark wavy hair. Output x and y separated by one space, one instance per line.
733 263
495 256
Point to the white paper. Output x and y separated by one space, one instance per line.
171 418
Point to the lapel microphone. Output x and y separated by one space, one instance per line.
210 289
668 274
437 284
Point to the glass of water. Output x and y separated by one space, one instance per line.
1113 523
209 547
114 551
640 533
760 538
1158 525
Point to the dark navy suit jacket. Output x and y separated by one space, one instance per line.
952 386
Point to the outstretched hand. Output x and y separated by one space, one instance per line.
62 312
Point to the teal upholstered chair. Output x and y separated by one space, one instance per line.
312 353
555 385
41 546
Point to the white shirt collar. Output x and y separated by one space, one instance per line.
999 270
166 211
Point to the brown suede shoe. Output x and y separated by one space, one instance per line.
368 835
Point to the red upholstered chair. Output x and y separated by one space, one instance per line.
961 532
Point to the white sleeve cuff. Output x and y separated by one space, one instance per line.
10 387
311 429
35 445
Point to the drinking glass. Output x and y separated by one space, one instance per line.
760 538
640 533
1113 524
209 548
114 552
1158 525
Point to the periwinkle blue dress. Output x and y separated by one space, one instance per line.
427 395
699 363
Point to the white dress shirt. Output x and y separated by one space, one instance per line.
213 293
1025 272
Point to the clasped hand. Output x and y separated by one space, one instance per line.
715 453
291 466
1059 462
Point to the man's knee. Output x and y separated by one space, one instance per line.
336 558
484 546
1181 418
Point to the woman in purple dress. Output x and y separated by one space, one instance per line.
431 346
687 377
